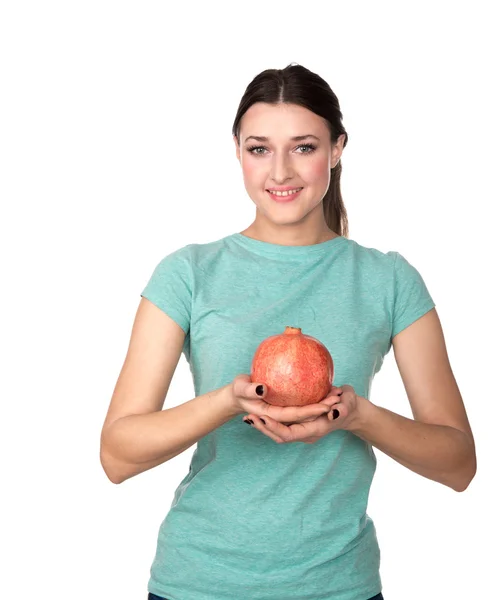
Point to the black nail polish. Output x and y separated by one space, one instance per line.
247 421
335 413
259 390
263 420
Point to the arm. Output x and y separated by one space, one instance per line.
438 443
137 443
137 435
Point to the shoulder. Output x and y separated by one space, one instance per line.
388 259
193 255
200 255
193 250
177 259
373 258
389 270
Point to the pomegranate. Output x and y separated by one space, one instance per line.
297 368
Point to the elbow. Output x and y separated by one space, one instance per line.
464 484
111 476
109 462
467 467
110 471
466 476
461 487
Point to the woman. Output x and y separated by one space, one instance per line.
274 503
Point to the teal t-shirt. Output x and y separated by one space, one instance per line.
254 519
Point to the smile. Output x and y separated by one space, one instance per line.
283 197
289 193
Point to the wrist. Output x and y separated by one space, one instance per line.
228 401
362 416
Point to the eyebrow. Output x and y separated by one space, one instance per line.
296 138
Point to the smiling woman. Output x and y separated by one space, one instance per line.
298 173
274 504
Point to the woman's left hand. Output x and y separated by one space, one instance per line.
343 400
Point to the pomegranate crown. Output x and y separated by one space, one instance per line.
292 330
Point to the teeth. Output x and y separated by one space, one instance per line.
289 193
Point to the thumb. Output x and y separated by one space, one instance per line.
258 390
338 412
246 388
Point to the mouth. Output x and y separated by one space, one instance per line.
285 196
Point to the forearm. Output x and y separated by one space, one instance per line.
119 470
136 443
438 452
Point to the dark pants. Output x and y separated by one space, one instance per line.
154 597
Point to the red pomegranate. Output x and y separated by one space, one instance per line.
297 368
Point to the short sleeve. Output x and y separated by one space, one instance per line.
411 296
170 287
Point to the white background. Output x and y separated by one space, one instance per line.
116 149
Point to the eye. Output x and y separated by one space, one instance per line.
252 149
310 146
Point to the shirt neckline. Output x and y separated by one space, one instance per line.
281 251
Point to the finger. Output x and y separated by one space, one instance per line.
269 428
257 390
289 423
247 388
313 410
330 400
309 419
334 400
298 414
294 432
338 412
334 393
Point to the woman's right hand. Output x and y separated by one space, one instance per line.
245 399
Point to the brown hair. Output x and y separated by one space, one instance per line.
297 85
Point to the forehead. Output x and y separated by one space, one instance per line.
281 121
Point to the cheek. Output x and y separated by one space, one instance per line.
317 170
251 170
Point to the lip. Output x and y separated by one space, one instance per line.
284 199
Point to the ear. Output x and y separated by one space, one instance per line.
337 150
237 146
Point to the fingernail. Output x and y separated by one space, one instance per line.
263 420
247 421
335 413
259 390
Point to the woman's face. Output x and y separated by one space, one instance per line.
281 161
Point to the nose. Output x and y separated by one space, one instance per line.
280 168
